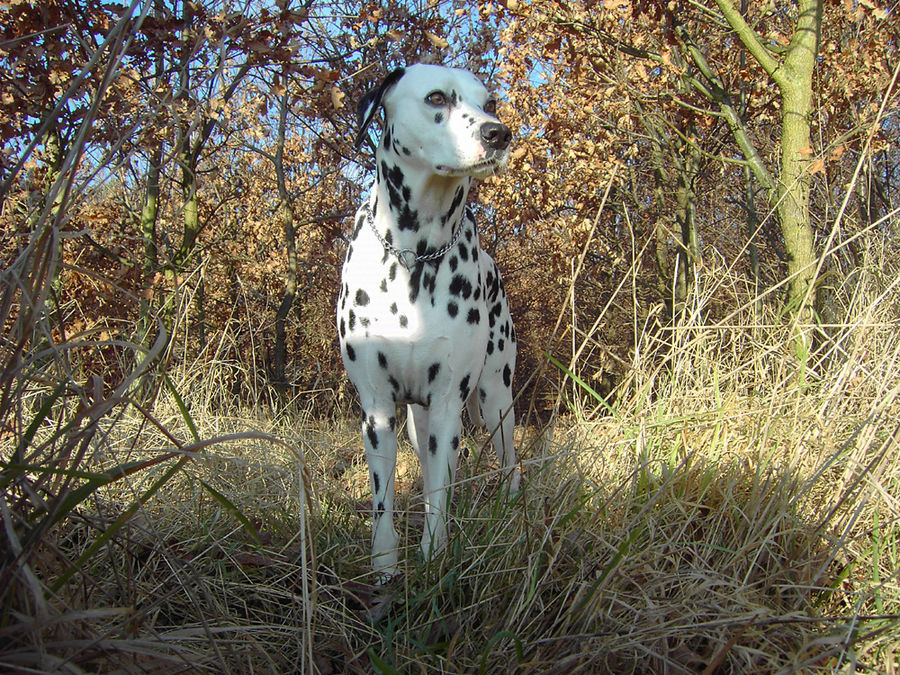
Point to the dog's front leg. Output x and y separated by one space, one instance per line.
380 441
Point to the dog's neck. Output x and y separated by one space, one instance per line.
422 210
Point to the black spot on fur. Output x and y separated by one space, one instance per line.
403 321
455 442
382 360
507 375
432 444
457 200
464 388
459 285
376 482
494 314
453 263
393 175
474 316
463 252
362 298
418 279
392 271
399 194
452 309
428 282
383 286
392 422
433 370
371 433
343 330
351 353
490 347
500 344
408 220
393 308
380 508
359 223
438 118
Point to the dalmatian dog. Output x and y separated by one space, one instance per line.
422 315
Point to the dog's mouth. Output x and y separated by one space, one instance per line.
482 169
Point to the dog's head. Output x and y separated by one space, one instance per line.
442 120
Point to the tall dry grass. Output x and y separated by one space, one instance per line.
733 510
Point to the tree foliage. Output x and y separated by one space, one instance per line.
217 175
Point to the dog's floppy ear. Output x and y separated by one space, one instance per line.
369 104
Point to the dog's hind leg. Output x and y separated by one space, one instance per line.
438 455
496 410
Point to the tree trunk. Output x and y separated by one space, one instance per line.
794 179
685 212
290 282
793 77
150 211
753 223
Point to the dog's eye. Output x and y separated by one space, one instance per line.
437 98
491 107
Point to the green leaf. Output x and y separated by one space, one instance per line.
381 666
503 634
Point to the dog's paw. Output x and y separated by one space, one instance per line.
384 576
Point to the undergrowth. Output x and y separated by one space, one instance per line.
729 511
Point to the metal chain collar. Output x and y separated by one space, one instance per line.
407 256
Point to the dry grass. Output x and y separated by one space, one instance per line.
734 512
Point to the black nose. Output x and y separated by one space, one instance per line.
495 135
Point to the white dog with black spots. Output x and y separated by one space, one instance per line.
423 318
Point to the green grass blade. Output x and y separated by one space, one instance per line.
118 523
581 383
232 509
185 413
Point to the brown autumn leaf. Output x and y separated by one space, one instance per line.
437 40
337 98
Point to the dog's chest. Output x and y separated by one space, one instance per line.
436 308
